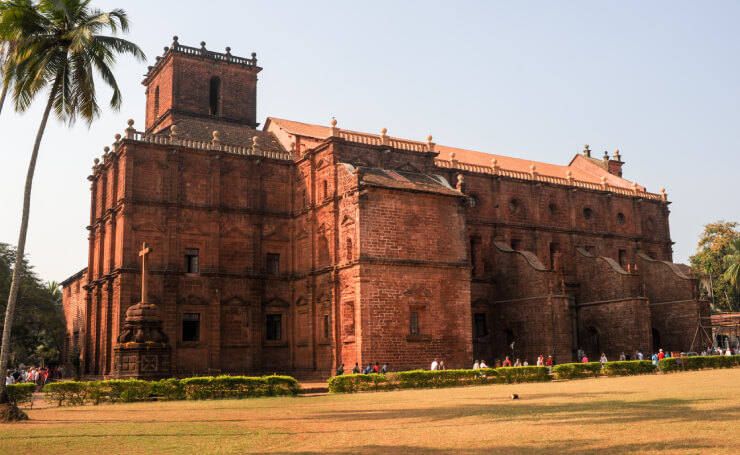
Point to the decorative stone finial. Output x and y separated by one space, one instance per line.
157 58
383 131
202 44
106 149
166 48
254 55
117 137
452 156
586 151
292 147
383 137
255 145
333 130
96 161
173 130
228 50
175 38
663 194
430 144
606 155
216 137
532 168
616 155
130 131
494 165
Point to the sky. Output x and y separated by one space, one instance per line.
537 80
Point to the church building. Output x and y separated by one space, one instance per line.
295 248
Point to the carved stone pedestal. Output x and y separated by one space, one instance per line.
143 351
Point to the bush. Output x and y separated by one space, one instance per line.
68 392
629 368
511 375
200 388
352 383
168 389
577 370
18 394
698 362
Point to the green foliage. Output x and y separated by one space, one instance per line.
424 379
716 255
511 375
37 321
18 394
629 368
351 383
698 362
577 370
200 388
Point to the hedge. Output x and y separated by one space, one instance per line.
200 388
18 394
577 370
424 379
698 362
352 383
629 368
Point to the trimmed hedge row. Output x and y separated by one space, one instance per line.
629 367
19 394
200 388
424 379
593 369
698 362
577 370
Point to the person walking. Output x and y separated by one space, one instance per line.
340 370
549 363
356 369
507 362
435 364
603 359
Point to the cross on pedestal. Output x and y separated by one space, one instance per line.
145 250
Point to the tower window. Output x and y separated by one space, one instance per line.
622 258
414 322
326 189
326 326
213 96
191 326
156 102
273 264
191 260
274 327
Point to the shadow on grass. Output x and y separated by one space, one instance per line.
608 411
577 447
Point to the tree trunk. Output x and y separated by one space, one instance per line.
21 247
2 97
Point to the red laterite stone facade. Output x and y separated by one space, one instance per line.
298 247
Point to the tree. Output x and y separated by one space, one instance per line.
59 46
715 244
732 265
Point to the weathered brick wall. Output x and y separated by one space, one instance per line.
614 327
674 304
74 308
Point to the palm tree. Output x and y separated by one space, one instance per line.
731 262
58 44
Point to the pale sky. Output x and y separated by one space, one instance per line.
658 80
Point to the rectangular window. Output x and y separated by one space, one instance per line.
481 325
191 260
273 264
191 326
553 250
326 326
414 322
274 327
623 258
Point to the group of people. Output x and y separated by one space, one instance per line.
541 361
33 375
370 368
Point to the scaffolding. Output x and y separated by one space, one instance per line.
719 331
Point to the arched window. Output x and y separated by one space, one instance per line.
214 96
156 102
349 249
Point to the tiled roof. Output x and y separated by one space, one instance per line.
402 180
590 174
199 129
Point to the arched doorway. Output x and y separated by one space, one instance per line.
656 340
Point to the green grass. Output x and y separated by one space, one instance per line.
692 412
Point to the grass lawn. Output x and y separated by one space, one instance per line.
691 412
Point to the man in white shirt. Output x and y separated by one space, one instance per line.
435 364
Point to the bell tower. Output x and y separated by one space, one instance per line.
198 83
